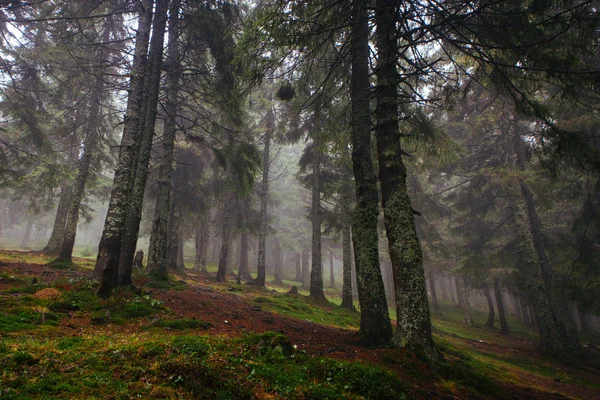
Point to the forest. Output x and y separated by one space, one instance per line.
299 199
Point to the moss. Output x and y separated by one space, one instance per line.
182 324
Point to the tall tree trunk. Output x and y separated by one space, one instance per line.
490 303
504 329
278 275
375 327
180 263
109 247
157 250
584 321
461 288
413 328
305 269
331 274
346 261
173 234
432 289
559 309
261 264
316 273
225 239
202 239
297 268
60 220
27 233
134 214
244 271
89 148
552 338
444 288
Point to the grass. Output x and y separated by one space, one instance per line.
134 346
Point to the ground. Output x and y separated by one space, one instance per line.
195 338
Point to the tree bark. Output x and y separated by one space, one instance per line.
316 273
297 268
110 242
261 264
375 327
202 239
134 214
225 242
346 261
173 234
60 220
27 233
463 301
552 338
490 303
413 328
305 269
432 289
560 312
331 274
89 148
244 271
157 250
504 329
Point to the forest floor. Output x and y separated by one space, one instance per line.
193 338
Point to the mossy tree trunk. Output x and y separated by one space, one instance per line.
346 261
305 269
244 271
560 312
433 291
413 327
157 250
463 301
27 233
110 241
298 268
134 214
89 148
60 220
490 303
552 337
261 264
504 329
173 228
331 274
202 240
375 327
316 220
225 238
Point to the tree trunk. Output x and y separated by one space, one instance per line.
298 268
375 327
584 321
490 302
413 328
305 269
244 271
278 271
346 261
552 339
432 289
134 215
558 307
225 242
110 242
180 264
202 239
501 315
157 250
27 233
58 229
331 274
463 301
173 234
85 162
316 273
261 264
